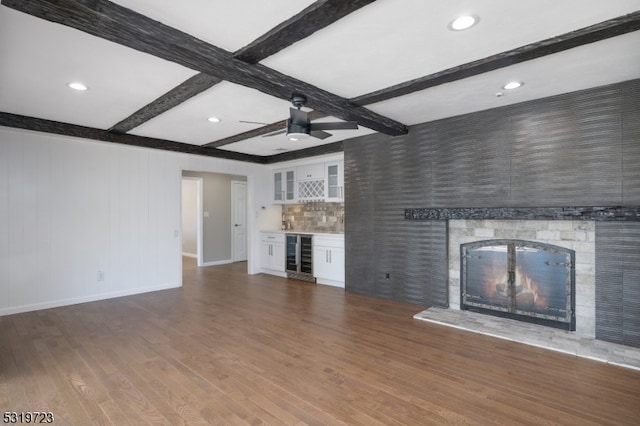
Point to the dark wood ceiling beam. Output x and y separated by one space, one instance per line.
591 34
314 151
118 24
601 31
65 129
317 16
179 94
273 127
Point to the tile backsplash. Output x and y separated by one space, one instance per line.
314 217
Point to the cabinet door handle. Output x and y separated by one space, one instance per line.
330 260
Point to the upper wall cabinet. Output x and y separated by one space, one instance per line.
335 181
310 171
322 181
311 182
284 186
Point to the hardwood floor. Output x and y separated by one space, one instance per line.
228 348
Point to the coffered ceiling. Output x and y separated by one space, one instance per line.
156 70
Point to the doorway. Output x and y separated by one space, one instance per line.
239 215
219 242
192 218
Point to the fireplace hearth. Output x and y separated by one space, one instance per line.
519 279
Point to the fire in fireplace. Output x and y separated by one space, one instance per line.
518 279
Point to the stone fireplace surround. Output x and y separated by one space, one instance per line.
570 227
576 235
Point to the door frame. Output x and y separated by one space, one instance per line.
233 215
200 212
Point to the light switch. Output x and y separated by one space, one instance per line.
206 214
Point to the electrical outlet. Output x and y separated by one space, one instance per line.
100 275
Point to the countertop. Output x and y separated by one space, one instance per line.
293 231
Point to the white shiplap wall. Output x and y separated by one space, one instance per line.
70 208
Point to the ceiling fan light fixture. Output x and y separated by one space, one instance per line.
296 136
463 22
76 85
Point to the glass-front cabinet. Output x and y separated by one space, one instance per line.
335 181
312 182
284 186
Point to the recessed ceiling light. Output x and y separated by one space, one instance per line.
214 119
78 86
512 85
463 22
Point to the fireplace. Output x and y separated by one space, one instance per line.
571 227
525 280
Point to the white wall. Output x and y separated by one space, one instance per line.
70 208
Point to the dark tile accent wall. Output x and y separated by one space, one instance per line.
387 258
631 146
618 282
567 150
577 149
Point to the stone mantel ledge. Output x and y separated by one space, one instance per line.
608 213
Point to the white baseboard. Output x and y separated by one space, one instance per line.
330 282
217 262
195 256
84 299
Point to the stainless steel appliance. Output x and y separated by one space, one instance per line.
299 260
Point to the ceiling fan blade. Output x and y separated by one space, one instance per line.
298 117
320 134
338 125
279 132
252 122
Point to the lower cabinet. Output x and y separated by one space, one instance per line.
328 259
272 252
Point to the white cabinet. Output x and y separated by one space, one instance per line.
272 251
284 185
310 171
334 181
314 182
311 182
328 259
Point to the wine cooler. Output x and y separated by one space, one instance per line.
299 261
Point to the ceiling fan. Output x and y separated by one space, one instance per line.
299 126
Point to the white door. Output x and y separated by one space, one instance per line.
239 218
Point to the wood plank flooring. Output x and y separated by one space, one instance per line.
228 348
